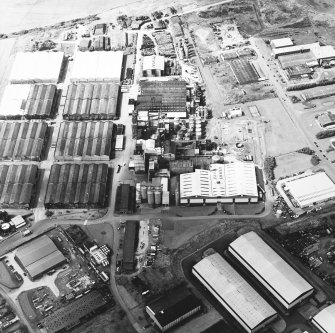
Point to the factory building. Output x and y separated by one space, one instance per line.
281 42
37 67
125 199
174 308
100 66
84 141
234 293
90 101
308 190
233 182
29 101
39 256
165 97
271 270
20 141
325 320
77 186
153 65
17 185
129 245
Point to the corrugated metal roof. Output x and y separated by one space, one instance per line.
16 185
22 140
91 100
84 141
277 275
325 319
76 185
39 255
233 291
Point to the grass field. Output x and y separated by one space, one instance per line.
291 163
281 136
7 278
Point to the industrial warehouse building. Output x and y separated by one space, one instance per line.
39 256
77 186
325 319
172 309
250 310
84 141
97 67
125 199
21 141
233 182
91 101
271 270
29 101
164 97
17 185
129 245
311 189
318 92
281 42
153 65
37 67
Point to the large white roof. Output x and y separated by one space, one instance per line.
295 49
324 52
36 67
280 278
281 42
312 188
153 62
325 319
235 292
13 99
97 66
222 180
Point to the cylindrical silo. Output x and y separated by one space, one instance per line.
158 197
151 198
144 192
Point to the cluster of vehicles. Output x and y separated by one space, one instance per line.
280 206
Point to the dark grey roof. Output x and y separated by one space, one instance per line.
173 306
129 244
39 256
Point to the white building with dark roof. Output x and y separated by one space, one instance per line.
249 309
325 320
271 270
233 182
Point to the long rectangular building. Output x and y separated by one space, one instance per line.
233 182
86 101
21 141
325 319
270 269
77 186
83 141
17 184
130 244
248 308
29 101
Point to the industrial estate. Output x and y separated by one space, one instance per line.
170 167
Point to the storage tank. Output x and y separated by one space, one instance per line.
5 226
151 199
158 197
144 192
215 158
